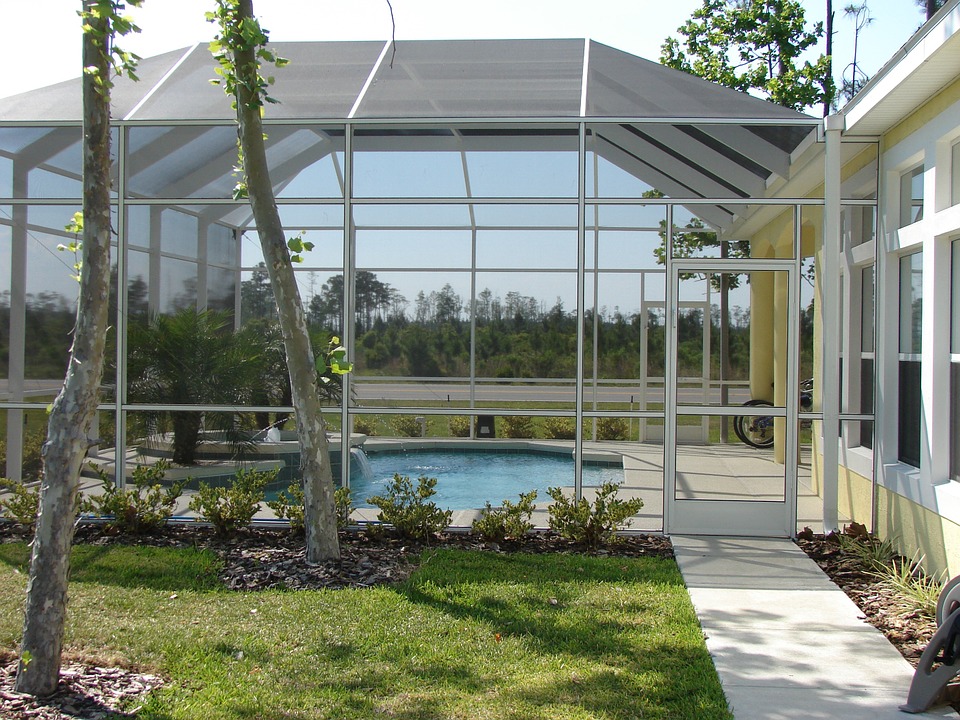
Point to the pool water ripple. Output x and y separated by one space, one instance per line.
468 480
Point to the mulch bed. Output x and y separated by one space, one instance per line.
260 559
907 630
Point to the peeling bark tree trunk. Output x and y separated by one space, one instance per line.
319 509
76 405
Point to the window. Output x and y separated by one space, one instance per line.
955 356
955 176
911 196
911 308
866 354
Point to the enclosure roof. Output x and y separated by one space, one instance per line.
572 78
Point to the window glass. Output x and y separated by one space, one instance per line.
955 420
858 225
955 351
911 302
911 196
955 298
955 174
866 310
910 407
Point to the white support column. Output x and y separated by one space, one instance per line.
349 317
935 362
581 287
18 297
830 379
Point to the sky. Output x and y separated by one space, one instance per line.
46 47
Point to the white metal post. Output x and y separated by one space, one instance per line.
830 271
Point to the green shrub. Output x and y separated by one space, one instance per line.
916 591
459 426
874 554
612 428
230 508
591 523
32 460
291 507
343 501
21 504
366 424
510 520
560 428
516 426
144 508
409 509
408 426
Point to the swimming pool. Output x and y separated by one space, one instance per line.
468 479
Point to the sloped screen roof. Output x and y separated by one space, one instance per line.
427 79
503 78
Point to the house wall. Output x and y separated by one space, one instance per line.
919 506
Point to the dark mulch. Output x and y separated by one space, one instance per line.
259 559
907 630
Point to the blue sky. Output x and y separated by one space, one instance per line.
47 46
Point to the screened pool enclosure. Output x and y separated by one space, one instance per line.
546 246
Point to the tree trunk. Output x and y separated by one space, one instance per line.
76 405
319 510
186 437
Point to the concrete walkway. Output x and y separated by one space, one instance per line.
788 643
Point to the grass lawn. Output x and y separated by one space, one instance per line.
469 635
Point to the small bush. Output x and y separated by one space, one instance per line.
366 424
459 426
230 508
612 428
142 509
516 426
343 501
591 524
407 425
875 554
409 509
32 459
291 507
559 428
916 591
510 520
21 504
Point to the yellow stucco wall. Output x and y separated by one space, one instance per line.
854 491
854 496
919 531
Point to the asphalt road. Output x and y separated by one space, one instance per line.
459 393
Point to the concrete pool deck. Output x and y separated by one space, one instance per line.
731 471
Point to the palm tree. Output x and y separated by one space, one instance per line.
190 358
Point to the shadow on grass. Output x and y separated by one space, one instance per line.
153 568
643 658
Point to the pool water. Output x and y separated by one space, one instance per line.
468 479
